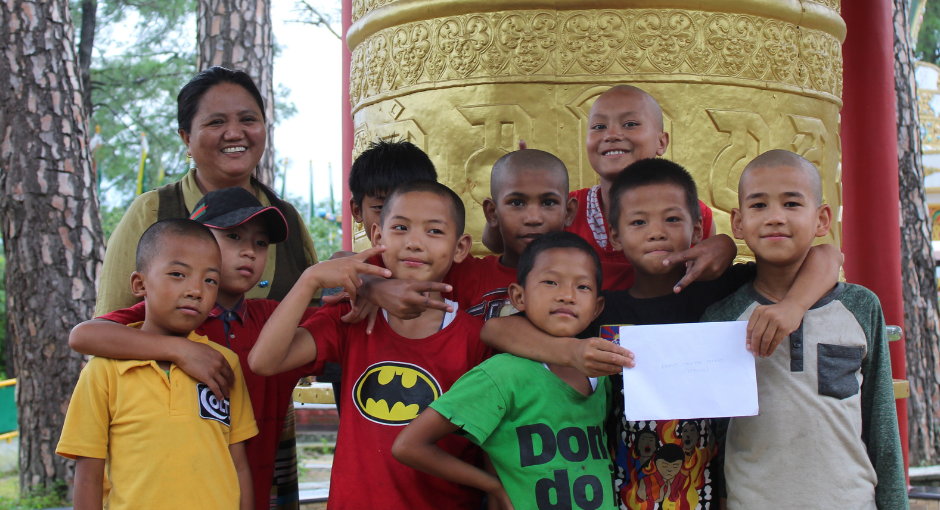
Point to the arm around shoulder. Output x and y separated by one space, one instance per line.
592 357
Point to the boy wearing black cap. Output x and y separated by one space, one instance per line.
243 229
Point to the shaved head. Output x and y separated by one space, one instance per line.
526 159
639 96
781 158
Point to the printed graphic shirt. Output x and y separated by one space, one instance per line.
664 464
545 439
481 286
827 433
589 223
270 396
165 437
387 381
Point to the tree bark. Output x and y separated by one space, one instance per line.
237 34
50 223
86 43
921 315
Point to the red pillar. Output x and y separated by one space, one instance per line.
347 127
871 231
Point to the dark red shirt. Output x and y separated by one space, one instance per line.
481 286
387 381
590 224
270 396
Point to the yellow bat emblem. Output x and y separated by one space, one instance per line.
394 393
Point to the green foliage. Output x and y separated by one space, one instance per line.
327 235
52 497
135 78
928 40
110 217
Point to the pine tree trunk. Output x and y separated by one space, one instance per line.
86 43
236 34
50 223
921 316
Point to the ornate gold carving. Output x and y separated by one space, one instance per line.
928 93
362 7
467 86
529 39
596 43
835 5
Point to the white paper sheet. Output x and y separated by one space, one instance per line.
686 371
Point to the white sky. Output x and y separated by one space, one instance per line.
310 65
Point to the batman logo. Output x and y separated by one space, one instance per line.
394 393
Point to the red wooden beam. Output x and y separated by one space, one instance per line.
347 127
871 218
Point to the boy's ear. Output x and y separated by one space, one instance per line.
462 249
489 211
355 210
599 307
615 239
516 293
823 220
571 210
737 223
698 232
663 143
376 234
138 285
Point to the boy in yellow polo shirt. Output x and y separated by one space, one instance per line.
165 440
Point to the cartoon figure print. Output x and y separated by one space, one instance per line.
665 465
495 304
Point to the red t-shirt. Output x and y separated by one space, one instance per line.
481 286
387 380
270 396
591 225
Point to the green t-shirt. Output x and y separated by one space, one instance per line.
546 440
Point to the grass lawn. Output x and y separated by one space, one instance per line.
10 499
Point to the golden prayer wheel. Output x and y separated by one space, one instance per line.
465 80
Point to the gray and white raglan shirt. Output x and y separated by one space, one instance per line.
827 433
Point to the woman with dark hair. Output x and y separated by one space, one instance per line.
222 122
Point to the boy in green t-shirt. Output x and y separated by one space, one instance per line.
541 424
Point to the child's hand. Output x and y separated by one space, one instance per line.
595 357
208 366
344 272
706 260
362 309
770 324
407 299
498 500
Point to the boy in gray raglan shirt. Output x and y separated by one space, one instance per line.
827 433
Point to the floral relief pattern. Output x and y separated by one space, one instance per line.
665 36
410 46
461 39
611 42
529 41
593 38
734 39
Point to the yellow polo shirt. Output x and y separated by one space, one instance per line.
165 438
114 288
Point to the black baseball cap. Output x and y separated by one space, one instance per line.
230 207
